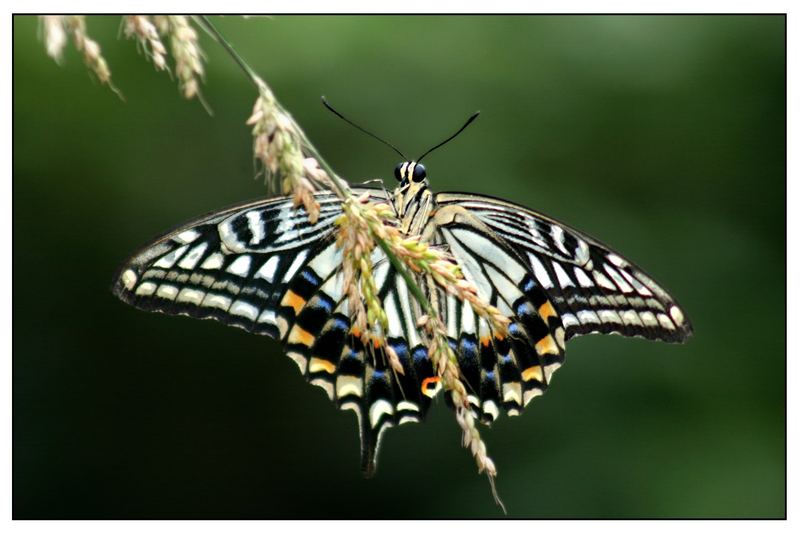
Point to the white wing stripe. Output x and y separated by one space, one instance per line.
395 328
168 260
191 259
615 275
491 253
540 272
405 304
295 266
563 279
267 270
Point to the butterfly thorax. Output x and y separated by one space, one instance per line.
412 199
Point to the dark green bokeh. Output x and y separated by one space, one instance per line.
662 136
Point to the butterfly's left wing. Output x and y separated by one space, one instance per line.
500 370
552 282
262 267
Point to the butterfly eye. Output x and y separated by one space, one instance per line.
398 171
419 173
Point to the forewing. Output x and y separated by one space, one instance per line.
232 266
594 289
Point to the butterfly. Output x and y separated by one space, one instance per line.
265 267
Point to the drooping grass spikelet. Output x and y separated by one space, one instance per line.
142 28
56 30
278 147
89 48
356 241
186 51
446 365
444 270
440 265
357 244
55 35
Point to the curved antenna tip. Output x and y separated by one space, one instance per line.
453 136
359 128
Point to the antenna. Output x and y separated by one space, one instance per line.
390 145
453 136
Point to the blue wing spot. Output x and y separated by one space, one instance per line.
524 308
400 347
310 276
469 345
529 285
341 323
420 354
323 303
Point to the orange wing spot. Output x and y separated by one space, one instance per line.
547 345
485 341
355 331
534 372
546 311
430 392
499 337
376 343
321 365
293 300
300 336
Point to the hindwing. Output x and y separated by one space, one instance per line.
501 371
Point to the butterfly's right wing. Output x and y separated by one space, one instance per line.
262 267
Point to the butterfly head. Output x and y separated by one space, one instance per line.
413 184
411 194
409 172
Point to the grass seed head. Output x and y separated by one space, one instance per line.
143 29
55 35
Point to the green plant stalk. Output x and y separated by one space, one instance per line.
409 279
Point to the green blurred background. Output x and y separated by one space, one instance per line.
662 136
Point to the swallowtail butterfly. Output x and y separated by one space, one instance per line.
263 267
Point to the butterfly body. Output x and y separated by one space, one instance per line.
264 267
412 199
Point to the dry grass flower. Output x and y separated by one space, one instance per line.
89 48
444 270
360 226
56 29
446 365
355 239
142 28
55 35
421 258
278 147
186 52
